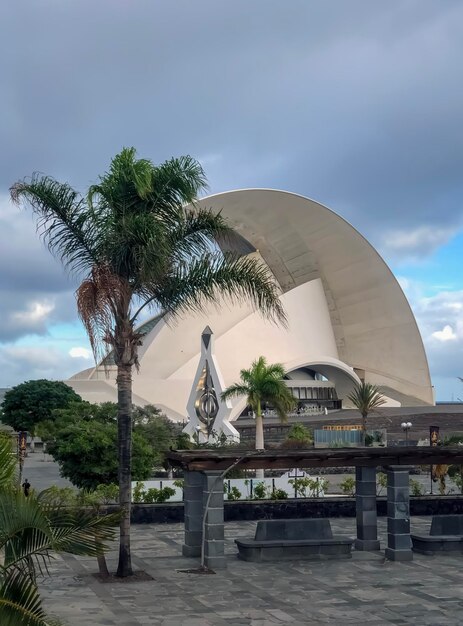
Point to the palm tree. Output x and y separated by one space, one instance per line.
29 532
263 383
366 397
136 245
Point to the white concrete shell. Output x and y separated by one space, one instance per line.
348 317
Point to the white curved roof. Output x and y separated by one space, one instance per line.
346 311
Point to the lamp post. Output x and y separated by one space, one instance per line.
406 427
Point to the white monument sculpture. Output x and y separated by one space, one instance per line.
208 414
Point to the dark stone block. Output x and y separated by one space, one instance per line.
398 494
366 503
191 551
214 532
397 478
365 489
215 562
447 525
367 518
270 530
398 510
399 542
251 550
366 544
398 526
193 538
398 555
369 533
214 548
367 474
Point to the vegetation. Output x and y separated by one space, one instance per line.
381 482
30 530
33 402
307 487
83 440
299 436
152 494
366 398
348 486
259 491
279 494
261 384
135 245
158 431
415 488
233 493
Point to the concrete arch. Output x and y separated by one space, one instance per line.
347 313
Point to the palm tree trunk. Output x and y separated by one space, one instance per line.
259 436
124 418
364 429
101 560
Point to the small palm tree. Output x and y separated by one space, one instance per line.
29 532
135 245
263 383
366 398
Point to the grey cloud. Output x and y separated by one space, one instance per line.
355 104
18 364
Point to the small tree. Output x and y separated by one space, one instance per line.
83 442
366 398
299 436
30 403
263 383
137 240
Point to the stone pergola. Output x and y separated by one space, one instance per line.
205 469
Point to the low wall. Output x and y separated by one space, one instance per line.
172 512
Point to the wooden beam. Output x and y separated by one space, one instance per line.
201 460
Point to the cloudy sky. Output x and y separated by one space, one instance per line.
357 104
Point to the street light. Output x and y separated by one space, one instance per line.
406 427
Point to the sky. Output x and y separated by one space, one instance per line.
358 105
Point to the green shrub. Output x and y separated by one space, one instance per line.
348 486
415 488
260 491
381 482
233 493
279 494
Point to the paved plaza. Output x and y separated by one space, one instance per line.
366 589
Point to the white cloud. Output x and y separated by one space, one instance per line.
446 334
83 353
38 311
417 243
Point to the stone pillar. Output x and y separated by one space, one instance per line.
398 514
193 485
214 549
365 502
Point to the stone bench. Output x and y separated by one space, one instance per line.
446 535
294 539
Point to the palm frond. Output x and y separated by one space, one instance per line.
64 222
366 397
102 299
8 462
235 391
214 276
20 603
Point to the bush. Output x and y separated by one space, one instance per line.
415 488
260 491
279 494
151 495
381 482
348 486
233 493
298 437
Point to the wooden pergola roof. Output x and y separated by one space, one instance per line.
200 460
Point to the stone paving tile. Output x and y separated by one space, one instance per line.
364 590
